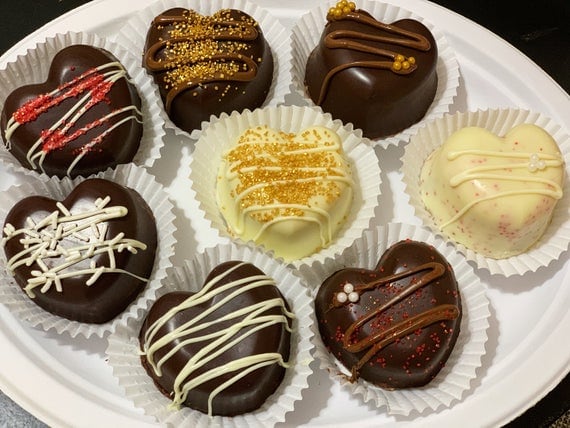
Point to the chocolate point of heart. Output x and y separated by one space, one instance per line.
224 349
380 77
400 329
85 118
85 258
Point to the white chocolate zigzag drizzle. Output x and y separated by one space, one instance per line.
73 239
531 161
254 319
93 87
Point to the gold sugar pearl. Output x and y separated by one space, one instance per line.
411 60
400 58
405 65
397 65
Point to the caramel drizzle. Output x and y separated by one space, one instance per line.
222 30
345 39
381 339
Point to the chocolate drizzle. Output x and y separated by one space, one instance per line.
407 308
186 51
347 39
379 76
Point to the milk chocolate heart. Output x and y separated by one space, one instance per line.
85 258
394 326
380 77
207 65
493 194
224 349
85 118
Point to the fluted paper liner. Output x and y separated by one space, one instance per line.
133 34
556 238
131 176
454 380
223 134
33 67
124 357
305 37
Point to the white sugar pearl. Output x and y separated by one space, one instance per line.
353 297
348 288
341 297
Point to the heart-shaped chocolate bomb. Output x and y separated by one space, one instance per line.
85 258
495 195
394 326
380 77
207 65
85 118
222 350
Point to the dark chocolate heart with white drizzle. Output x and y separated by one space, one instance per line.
85 118
85 258
222 350
394 326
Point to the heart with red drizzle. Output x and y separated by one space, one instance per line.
85 118
396 325
222 350
85 258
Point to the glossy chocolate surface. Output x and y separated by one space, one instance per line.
349 73
247 393
111 292
49 115
388 341
206 65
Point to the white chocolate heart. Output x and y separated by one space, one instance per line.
494 195
290 193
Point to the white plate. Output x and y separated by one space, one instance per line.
66 382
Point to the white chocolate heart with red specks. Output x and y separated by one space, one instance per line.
495 195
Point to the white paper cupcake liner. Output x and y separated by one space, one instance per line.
556 238
222 135
306 34
16 300
33 67
454 380
124 357
133 34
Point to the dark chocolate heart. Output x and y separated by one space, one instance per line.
207 65
394 326
85 118
258 349
86 258
380 77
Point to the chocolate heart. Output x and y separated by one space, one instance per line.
207 65
380 77
394 326
84 118
85 258
220 366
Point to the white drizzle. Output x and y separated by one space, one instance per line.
534 163
36 154
45 240
221 340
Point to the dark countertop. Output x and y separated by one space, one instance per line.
541 30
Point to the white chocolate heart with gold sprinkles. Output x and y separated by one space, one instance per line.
494 195
290 193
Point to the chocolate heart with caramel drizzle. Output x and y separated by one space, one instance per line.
224 349
85 118
206 65
85 258
394 326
